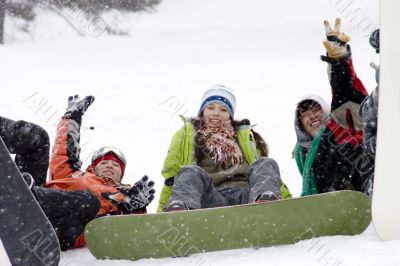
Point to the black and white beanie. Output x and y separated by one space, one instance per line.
219 94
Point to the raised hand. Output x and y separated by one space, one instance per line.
336 41
140 195
77 107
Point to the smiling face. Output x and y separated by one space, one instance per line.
109 169
311 120
216 113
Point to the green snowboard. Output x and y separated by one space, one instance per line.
134 237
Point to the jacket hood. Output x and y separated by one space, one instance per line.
303 138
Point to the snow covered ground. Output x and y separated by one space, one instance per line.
267 51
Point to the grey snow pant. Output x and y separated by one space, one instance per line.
194 187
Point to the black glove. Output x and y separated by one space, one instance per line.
77 107
140 195
374 40
122 202
131 200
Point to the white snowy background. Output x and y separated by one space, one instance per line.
268 51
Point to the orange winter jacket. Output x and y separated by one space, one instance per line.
65 172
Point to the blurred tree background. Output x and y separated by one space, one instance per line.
2 17
26 9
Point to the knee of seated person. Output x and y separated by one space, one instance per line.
265 164
192 169
42 138
266 161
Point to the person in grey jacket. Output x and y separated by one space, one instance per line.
369 116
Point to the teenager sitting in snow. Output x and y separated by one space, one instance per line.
31 145
214 160
74 197
329 151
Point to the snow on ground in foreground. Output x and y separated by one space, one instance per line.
268 52
361 250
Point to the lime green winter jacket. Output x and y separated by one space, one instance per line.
181 153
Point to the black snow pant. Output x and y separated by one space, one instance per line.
31 145
68 212
194 187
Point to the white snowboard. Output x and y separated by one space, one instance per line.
386 196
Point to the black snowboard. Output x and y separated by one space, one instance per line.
26 233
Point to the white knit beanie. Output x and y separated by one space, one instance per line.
219 94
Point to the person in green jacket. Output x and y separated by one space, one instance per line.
311 116
214 160
329 151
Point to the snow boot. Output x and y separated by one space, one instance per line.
176 206
266 196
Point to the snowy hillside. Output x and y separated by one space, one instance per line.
267 51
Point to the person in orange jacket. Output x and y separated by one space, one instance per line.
74 197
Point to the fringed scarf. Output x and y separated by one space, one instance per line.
217 140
